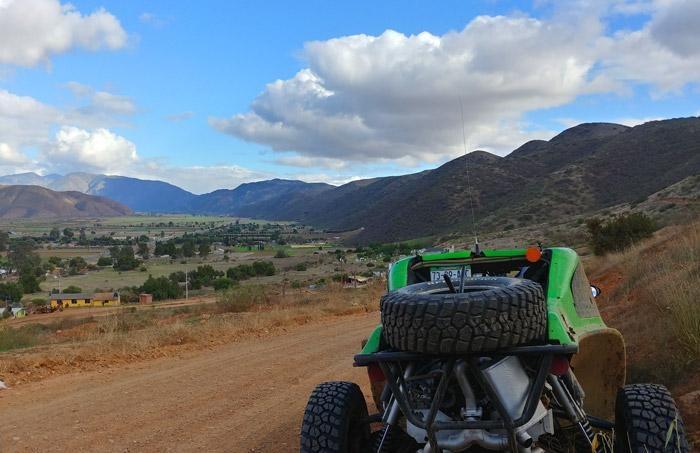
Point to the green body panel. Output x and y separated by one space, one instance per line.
565 325
373 341
461 254
504 253
398 274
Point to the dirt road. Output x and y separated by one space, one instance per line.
247 396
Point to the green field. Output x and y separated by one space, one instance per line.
135 225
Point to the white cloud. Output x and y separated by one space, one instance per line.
663 53
33 30
10 156
99 150
177 117
102 102
631 122
396 98
24 120
309 162
197 179
154 20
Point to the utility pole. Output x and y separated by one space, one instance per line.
187 286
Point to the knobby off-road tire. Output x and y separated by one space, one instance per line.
492 313
334 420
644 416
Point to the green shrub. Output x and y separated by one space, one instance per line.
223 283
300 267
161 288
281 253
619 232
104 261
72 289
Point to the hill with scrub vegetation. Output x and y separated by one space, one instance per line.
583 169
21 202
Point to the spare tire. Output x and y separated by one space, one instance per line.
492 313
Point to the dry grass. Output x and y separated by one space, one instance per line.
146 334
655 303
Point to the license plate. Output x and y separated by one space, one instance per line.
436 274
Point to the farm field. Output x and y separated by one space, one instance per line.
316 266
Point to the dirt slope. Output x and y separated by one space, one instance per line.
244 397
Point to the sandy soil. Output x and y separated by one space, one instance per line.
247 396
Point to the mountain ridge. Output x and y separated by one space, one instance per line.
584 168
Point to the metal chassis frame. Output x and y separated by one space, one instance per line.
390 364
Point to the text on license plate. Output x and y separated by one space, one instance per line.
436 274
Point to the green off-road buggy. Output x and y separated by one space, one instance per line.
493 350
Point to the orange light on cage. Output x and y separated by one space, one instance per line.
533 254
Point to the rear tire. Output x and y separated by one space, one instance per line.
335 420
645 415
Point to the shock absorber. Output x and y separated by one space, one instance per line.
586 441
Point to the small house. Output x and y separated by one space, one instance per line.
65 300
19 312
356 281
109 299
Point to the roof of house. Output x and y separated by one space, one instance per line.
68 296
97 296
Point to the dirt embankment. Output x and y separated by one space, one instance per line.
245 396
650 294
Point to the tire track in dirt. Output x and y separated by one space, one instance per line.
244 396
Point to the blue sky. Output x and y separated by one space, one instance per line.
179 90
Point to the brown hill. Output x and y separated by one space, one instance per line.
24 202
583 169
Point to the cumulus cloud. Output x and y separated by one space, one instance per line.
10 156
663 53
33 30
83 142
25 120
396 97
99 150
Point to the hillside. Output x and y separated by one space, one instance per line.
24 202
141 195
656 283
264 199
138 194
585 168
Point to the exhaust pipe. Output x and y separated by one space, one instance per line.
467 438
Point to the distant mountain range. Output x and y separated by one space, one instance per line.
584 168
21 202
139 194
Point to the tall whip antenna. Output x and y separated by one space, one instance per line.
469 183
